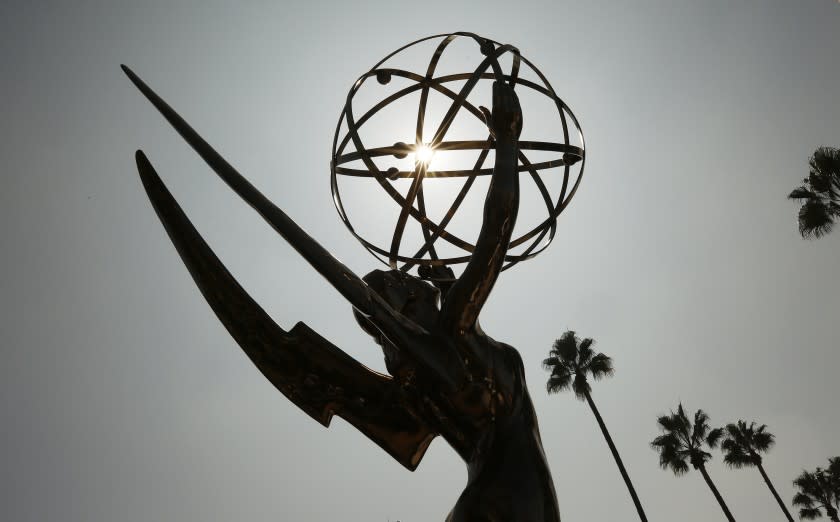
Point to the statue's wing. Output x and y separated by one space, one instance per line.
313 373
434 355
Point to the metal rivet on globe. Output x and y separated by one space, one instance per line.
400 146
383 77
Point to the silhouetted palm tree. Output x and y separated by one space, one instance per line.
820 194
570 361
819 490
741 446
682 442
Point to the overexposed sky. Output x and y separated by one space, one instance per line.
122 398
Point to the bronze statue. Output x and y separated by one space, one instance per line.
447 377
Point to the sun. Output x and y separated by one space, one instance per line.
423 154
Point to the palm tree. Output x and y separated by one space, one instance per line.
819 490
682 443
821 194
570 361
741 447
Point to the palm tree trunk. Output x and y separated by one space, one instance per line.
774 492
617 458
708 480
831 513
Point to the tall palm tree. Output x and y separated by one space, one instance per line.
741 446
819 490
820 194
570 361
682 443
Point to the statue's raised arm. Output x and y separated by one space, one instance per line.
464 300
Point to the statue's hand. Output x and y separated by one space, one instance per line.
505 122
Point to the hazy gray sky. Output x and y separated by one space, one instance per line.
122 398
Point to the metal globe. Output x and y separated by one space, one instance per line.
420 140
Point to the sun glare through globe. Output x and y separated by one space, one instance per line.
424 155
413 157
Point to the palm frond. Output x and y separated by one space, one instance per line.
551 362
734 455
803 500
810 513
701 428
600 366
811 482
679 467
807 481
585 352
762 440
558 382
668 439
834 466
714 437
670 455
825 163
802 192
670 423
682 421
566 346
735 432
819 194
815 219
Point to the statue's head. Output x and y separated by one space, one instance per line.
413 298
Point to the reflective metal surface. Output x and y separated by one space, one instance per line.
446 376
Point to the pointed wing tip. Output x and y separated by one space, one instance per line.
143 163
128 72
140 84
148 176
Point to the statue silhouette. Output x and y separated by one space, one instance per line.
447 377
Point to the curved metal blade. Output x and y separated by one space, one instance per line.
314 374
